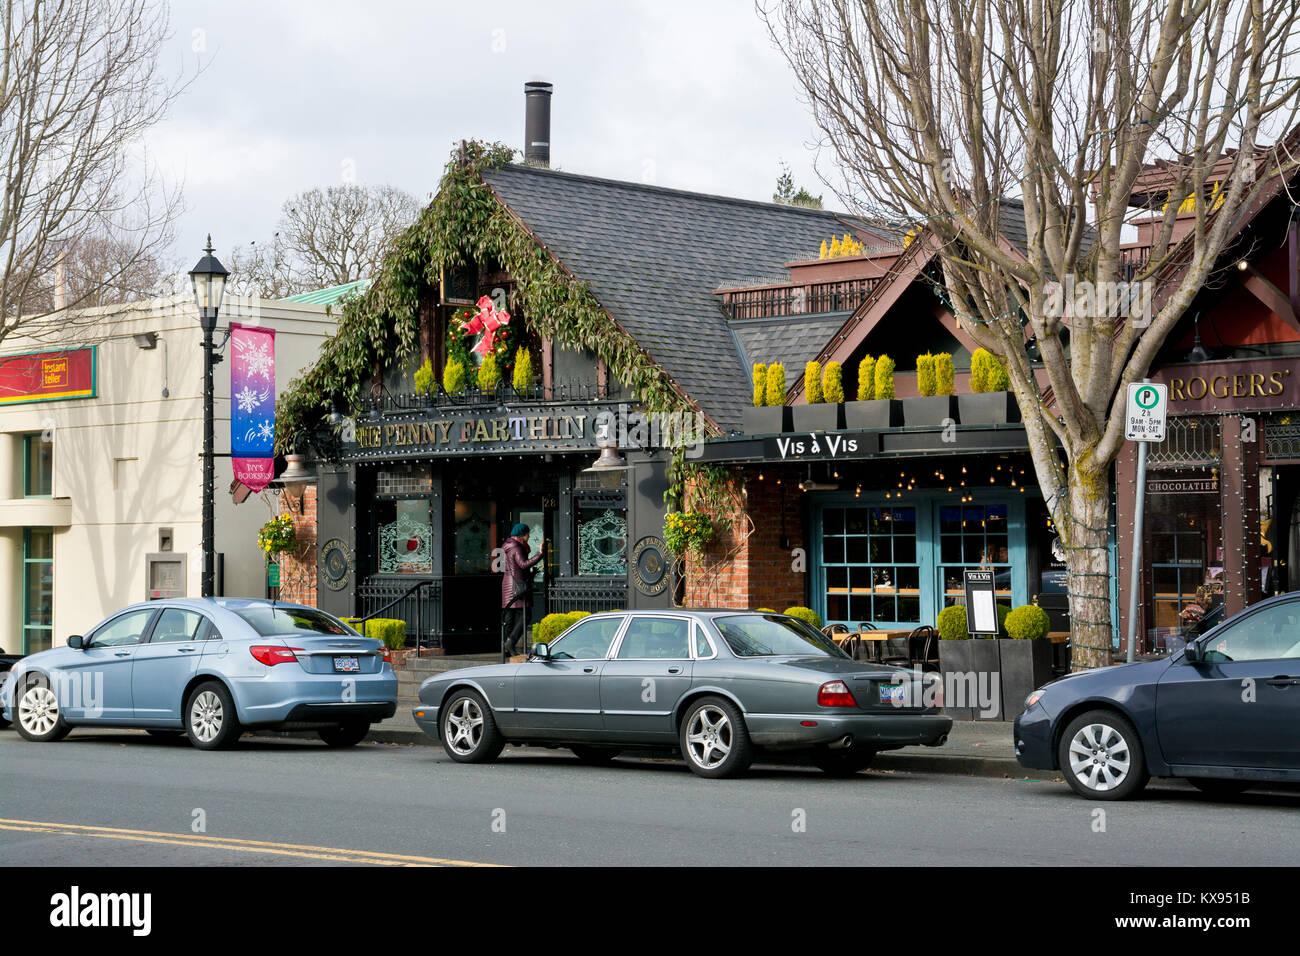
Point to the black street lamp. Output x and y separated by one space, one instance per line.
209 279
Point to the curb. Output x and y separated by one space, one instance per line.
894 760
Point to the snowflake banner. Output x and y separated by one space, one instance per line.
252 404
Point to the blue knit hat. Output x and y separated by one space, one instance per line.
518 530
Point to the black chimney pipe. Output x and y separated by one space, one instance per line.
537 123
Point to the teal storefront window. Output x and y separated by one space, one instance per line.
898 565
38 589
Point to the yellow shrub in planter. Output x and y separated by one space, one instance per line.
453 376
488 373
925 374
389 630
1027 622
866 379
776 384
760 384
943 374
806 614
523 374
952 623
884 377
812 382
833 383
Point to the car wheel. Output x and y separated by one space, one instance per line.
1221 786
469 732
1101 756
4 724
210 719
844 762
346 735
715 740
38 713
595 755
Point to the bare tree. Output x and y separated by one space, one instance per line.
79 85
950 114
263 269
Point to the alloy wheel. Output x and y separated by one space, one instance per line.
206 716
38 711
1099 757
708 737
465 726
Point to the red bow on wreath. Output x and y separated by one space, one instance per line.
488 321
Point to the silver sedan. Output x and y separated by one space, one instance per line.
714 685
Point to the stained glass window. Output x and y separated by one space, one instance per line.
405 537
602 541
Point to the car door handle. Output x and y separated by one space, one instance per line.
121 653
1283 681
589 670
674 670
187 650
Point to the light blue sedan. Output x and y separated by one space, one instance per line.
209 668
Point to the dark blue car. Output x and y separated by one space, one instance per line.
1224 713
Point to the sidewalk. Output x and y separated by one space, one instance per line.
975 748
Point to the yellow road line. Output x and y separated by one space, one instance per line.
202 840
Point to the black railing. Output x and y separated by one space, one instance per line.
418 603
811 299
563 393
586 594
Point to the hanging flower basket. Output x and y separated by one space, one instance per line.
276 535
687 531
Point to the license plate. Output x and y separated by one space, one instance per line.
346 665
893 693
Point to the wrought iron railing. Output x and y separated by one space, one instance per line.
1190 440
1281 441
805 299
418 603
561 393
586 594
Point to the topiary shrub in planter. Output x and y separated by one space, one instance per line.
522 378
389 630
424 379
991 403
805 614
871 411
943 374
1025 656
812 382
760 384
971 664
453 376
816 415
952 623
553 625
489 374
833 383
925 374
768 416
766 610
884 377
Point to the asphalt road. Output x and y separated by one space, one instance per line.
124 798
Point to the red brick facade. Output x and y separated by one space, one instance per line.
748 567
298 568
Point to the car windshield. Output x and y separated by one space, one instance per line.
770 635
268 620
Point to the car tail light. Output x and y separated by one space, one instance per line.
388 655
271 655
835 694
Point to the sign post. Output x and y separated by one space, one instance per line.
1144 422
981 602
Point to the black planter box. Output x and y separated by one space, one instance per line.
1026 666
766 420
978 656
875 413
988 408
817 418
929 410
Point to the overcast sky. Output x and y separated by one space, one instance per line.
296 93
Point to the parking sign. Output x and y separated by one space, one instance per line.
1144 417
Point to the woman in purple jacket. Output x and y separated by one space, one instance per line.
515 590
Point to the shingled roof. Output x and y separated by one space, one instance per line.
654 256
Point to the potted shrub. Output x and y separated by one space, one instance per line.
972 662
453 376
872 410
991 402
769 414
805 614
424 382
817 415
936 403
1026 656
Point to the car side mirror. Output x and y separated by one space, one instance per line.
541 652
77 642
1193 653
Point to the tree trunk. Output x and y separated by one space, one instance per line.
1087 540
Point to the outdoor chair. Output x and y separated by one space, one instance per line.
898 652
924 648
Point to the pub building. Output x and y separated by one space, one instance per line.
1222 511
427 481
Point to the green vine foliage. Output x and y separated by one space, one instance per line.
701 488
464 223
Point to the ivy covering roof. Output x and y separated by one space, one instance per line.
653 256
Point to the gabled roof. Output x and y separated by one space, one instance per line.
653 257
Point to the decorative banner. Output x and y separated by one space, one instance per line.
252 404
47 376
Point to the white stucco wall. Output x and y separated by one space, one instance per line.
127 462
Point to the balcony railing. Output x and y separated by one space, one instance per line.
774 301
586 594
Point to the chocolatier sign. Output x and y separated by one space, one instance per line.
1227 386
47 376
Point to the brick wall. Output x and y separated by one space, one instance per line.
298 569
748 567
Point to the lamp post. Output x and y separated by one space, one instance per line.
209 280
